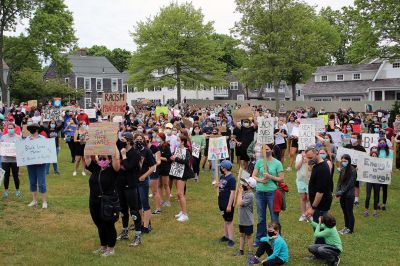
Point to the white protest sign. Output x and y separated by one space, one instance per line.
336 137
52 113
177 169
91 113
38 151
195 149
374 170
306 136
7 149
295 131
318 122
369 141
217 149
265 134
354 154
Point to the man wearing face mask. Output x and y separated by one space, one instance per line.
320 186
83 117
355 144
247 135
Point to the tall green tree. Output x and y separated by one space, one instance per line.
19 53
178 41
11 12
233 56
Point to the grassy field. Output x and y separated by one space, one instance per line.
64 234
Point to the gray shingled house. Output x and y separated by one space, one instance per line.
93 74
379 80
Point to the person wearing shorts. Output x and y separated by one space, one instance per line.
302 179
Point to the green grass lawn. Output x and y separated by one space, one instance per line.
64 234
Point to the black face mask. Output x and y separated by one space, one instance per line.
312 162
124 145
244 188
139 144
32 130
271 234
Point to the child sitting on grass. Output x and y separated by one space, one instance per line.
245 199
332 248
274 245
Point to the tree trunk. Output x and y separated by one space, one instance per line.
247 92
178 82
277 99
294 93
3 84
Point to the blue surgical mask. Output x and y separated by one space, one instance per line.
52 125
376 130
323 156
344 164
11 131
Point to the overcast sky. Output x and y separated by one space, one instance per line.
105 22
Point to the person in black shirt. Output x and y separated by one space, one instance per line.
53 131
104 171
319 187
127 185
247 135
355 140
237 138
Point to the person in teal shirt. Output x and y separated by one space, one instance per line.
326 229
199 142
265 190
384 152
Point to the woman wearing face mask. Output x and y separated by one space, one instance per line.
36 172
69 132
80 141
303 172
182 158
103 178
280 139
155 176
207 131
53 131
345 193
265 190
9 163
369 188
384 152
198 140
164 168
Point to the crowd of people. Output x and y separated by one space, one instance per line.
150 145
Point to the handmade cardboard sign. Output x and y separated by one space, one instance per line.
306 136
7 149
101 139
91 113
38 151
177 169
374 170
319 123
243 113
217 149
195 149
113 104
369 141
52 113
32 103
265 134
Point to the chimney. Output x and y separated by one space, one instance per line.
82 52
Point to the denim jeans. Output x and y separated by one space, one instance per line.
55 165
37 177
264 200
143 189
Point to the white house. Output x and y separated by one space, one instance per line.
379 80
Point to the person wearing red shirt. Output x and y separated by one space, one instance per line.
83 117
17 129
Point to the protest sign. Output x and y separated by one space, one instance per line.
319 123
114 104
101 139
52 113
243 113
336 137
217 149
57 102
118 119
188 124
162 110
195 149
7 149
69 108
306 136
177 169
91 113
37 151
265 134
374 170
354 154
32 103
369 141
325 117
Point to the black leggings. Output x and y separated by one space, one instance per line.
196 164
71 146
347 204
232 155
376 188
106 230
129 199
265 247
385 193
15 170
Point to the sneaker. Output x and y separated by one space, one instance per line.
183 218
341 231
124 235
5 195
136 241
156 212
238 253
383 208
44 205
178 215
311 257
366 214
108 253
74 173
356 203
83 173
166 204
302 218
289 169
345 231
18 194
337 262
33 203
57 173
99 251
253 260
145 230
230 243
223 239
375 215
196 179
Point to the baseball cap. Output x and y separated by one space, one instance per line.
128 136
250 181
226 164
169 125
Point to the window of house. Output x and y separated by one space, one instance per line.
161 71
99 84
99 101
125 87
150 89
66 80
324 78
390 95
350 99
88 86
378 95
240 97
171 88
396 65
298 93
114 85
234 86
157 88
322 99
88 103
339 77
356 76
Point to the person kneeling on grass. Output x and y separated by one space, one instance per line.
274 245
226 195
332 248
245 199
